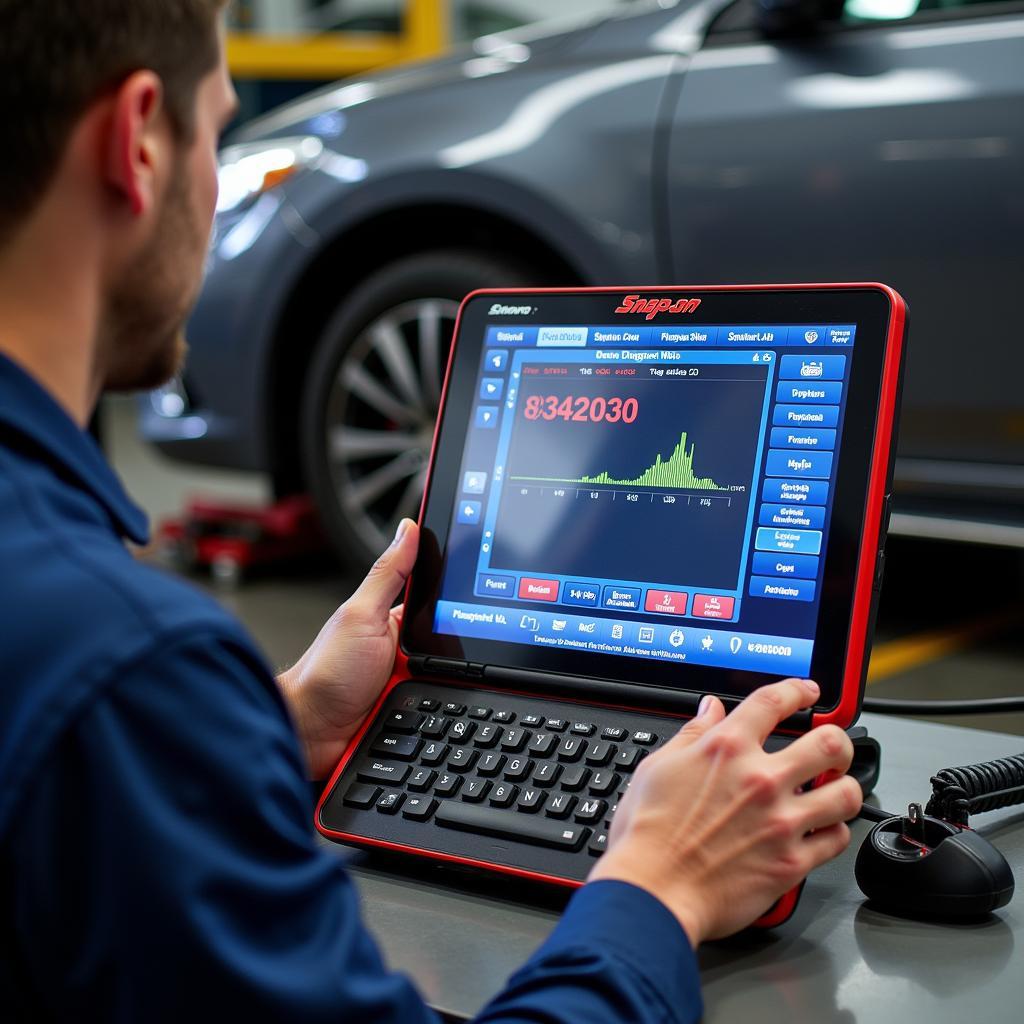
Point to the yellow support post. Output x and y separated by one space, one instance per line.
425 33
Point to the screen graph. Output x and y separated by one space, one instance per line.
642 475
675 472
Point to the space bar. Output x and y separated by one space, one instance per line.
510 825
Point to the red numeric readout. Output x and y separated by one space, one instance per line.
581 409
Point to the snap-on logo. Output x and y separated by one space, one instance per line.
652 307
499 310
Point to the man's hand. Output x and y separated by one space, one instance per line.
718 829
337 681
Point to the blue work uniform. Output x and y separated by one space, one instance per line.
157 858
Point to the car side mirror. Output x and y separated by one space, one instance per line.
789 18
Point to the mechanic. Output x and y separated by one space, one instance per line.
157 859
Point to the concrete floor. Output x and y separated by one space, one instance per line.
951 623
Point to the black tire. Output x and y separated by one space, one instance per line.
373 389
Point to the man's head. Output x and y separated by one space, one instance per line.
113 111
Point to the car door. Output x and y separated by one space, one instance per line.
883 148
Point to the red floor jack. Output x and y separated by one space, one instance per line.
231 539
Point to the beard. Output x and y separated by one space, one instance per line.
143 339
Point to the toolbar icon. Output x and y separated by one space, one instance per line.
469 512
617 631
496 360
529 622
707 643
474 483
645 635
735 644
677 638
558 625
487 416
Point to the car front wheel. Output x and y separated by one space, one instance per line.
373 392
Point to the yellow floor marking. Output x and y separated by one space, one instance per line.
896 656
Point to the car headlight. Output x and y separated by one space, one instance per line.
249 170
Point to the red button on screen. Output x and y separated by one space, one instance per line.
666 602
538 590
711 606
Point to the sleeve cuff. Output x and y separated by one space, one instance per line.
638 929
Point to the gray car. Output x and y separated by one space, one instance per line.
697 141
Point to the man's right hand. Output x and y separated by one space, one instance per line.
718 829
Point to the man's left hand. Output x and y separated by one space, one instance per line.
337 681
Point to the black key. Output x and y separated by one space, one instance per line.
410 702
598 844
447 784
547 773
475 790
582 729
560 805
405 748
435 727
531 800
383 771
503 794
543 743
434 753
557 724
419 808
600 753
532 721
629 757
517 828
402 721
575 778
590 811
487 736
504 717
454 709
480 712
462 759
361 796
421 780
429 704
390 801
613 732
602 783
514 739
518 769
460 732
571 749
644 737
490 764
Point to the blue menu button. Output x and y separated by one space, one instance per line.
812 367
801 567
586 594
796 542
783 590
624 598
792 463
495 586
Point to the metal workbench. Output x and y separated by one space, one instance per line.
836 960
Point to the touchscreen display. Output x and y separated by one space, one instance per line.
653 492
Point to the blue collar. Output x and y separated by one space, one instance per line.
29 411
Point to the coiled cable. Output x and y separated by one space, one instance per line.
970 789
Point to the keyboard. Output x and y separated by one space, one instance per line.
528 784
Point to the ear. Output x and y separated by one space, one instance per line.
136 141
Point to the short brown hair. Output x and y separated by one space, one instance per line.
58 56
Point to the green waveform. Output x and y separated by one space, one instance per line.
675 472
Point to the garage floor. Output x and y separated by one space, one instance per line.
951 624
